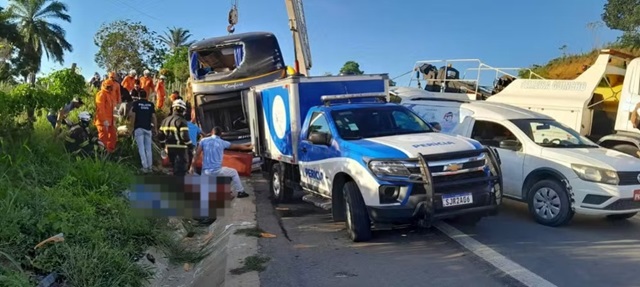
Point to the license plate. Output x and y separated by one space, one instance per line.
636 195
457 199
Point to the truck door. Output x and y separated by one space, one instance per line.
512 159
315 147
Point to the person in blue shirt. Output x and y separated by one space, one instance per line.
212 148
195 133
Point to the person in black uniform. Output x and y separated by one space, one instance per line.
79 140
174 136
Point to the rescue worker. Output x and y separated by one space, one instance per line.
116 95
95 82
174 136
104 121
212 149
129 81
79 140
161 93
64 112
146 83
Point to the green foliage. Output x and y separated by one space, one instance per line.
176 37
124 45
623 15
351 68
45 191
177 65
39 35
64 85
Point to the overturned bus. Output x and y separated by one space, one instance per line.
222 71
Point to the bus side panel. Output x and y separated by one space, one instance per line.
276 106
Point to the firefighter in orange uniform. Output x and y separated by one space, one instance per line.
161 93
115 94
129 81
104 116
146 83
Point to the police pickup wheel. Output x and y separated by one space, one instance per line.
357 218
279 190
549 203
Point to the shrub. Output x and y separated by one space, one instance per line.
45 191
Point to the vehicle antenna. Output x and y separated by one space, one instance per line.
233 17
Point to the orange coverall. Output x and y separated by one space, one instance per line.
117 97
161 93
129 82
104 115
146 83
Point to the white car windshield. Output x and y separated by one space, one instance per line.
550 133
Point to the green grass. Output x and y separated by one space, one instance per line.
255 231
44 191
178 251
251 263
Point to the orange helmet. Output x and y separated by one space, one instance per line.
107 83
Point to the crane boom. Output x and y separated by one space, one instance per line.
298 26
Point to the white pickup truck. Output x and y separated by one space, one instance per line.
551 167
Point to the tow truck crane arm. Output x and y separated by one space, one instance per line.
298 27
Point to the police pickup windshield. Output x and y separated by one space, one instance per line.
377 122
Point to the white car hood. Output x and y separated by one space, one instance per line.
599 157
428 143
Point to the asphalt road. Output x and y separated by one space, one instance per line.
311 250
590 251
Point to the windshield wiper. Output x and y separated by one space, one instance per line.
352 138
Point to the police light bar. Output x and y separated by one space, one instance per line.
328 98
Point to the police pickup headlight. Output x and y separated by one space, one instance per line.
383 168
595 174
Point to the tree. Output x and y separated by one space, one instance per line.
177 65
124 45
563 49
623 15
39 34
176 37
351 68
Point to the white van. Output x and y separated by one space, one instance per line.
546 164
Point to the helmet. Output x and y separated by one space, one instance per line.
146 72
133 72
107 83
179 104
162 77
84 116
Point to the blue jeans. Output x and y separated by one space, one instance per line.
143 139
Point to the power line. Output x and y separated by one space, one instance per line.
139 11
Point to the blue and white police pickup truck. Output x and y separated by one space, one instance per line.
373 163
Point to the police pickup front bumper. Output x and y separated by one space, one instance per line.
441 186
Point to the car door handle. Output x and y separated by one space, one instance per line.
304 149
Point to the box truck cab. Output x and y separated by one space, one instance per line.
546 164
371 162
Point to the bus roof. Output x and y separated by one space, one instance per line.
216 41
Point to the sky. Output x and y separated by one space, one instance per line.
383 36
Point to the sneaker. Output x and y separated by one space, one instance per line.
242 194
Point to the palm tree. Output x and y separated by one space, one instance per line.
8 30
40 35
176 37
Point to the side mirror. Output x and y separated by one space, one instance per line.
513 145
436 126
320 138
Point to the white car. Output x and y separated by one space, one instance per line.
545 164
